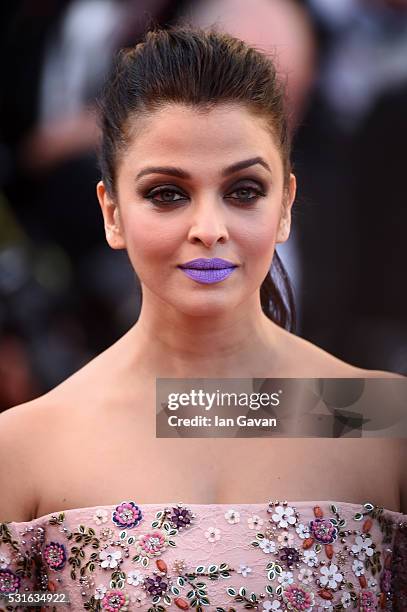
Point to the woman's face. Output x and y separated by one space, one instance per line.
179 198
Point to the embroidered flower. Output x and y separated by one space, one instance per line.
138 598
127 515
267 546
181 517
330 576
212 534
110 559
156 586
135 577
289 556
358 568
303 531
310 557
298 598
284 516
100 591
286 578
367 602
346 600
286 538
4 561
179 566
152 543
100 516
55 555
385 581
305 575
244 570
9 581
115 600
271 605
323 530
106 534
232 516
362 547
254 521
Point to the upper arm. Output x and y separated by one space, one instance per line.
18 443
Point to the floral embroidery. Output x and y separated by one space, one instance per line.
362 547
9 582
100 591
232 517
298 598
4 561
110 559
305 575
254 521
100 516
127 515
135 577
285 538
55 555
330 576
245 570
311 564
115 601
283 516
288 556
212 534
323 531
303 531
367 602
267 546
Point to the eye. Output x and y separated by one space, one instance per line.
167 195
246 189
164 192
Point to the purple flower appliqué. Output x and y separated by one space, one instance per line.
289 556
9 582
55 555
181 517
127 515
323 530
156 586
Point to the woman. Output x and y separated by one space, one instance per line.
195 167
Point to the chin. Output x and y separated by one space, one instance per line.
200 306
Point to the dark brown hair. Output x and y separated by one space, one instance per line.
199 68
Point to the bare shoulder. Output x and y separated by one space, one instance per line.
314 362
20 435
31 432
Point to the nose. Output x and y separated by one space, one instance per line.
208 225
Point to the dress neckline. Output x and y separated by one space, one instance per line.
207 506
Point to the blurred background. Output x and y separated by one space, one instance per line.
65 296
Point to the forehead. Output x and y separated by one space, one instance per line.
184 135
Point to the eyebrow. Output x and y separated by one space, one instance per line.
174 171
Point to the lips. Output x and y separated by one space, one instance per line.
215 263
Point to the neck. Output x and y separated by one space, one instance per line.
239 343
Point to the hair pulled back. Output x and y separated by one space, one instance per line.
198 68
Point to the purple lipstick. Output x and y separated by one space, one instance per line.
208 271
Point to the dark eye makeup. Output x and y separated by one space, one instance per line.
168 190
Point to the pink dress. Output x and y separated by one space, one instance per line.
276 555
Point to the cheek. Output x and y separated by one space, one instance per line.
258 240
149 239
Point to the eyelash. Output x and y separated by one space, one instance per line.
163 189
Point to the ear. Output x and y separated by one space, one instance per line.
111 215
285 219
